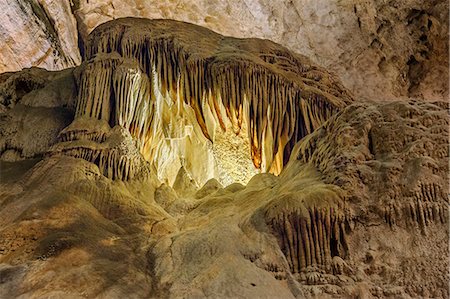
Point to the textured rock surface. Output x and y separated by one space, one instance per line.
359 210
35 106
380 49
38 33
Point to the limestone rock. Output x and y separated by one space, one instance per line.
184 185
207 81
398 151
38 33
314 231
210 187
381 50
111 149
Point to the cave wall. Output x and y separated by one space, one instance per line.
38 33
380 49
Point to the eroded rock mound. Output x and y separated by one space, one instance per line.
391 162
330 225
111 149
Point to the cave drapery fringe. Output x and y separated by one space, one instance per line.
122 75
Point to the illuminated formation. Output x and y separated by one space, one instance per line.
157 76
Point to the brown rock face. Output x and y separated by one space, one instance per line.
383 50
117 179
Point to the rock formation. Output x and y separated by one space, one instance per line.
155 72
176 162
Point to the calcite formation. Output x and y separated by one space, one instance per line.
309 225
35 105
132 66
404 159
107 188
112 150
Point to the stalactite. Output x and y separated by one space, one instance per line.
426 206
312 240
356 150
281 99
309 227
112 150
111 164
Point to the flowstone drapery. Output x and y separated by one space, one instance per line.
157 77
